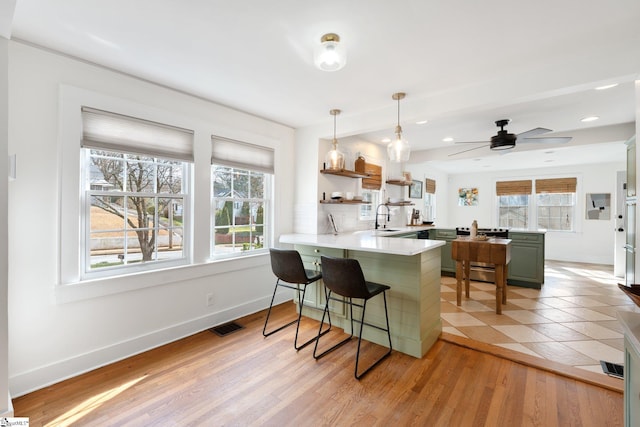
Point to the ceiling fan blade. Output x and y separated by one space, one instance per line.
464 151
533 132
548 140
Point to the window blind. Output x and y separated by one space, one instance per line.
243 155
105 130
558 185
511 188
430 186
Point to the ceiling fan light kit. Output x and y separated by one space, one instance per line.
506 141
399 149
503 140
330 55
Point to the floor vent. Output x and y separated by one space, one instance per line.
226 329
612 369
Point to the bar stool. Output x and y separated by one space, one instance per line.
288 268
343 276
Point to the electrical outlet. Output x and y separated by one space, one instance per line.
209 300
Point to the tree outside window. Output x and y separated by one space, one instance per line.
240 204
135 209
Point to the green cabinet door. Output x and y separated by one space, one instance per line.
631 384
448 264
527 259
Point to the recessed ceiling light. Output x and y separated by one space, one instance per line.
607 86
589 119
422 122
386 140
447 139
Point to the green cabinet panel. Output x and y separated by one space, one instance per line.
527 259
448 264
631 384
315 297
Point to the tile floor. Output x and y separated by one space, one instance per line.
571 320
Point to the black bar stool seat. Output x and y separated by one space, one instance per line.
290 272
344 277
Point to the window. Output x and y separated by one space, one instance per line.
367 211
134 209
240 205
555 201
430 200
241 176
135 198
513 203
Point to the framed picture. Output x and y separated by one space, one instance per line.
415 189
468 196
598 206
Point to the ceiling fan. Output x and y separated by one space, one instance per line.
505 140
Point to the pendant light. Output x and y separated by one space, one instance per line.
399 149
330 55
334 159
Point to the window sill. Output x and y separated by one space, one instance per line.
96 288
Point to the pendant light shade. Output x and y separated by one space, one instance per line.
330 55
399 149
334 159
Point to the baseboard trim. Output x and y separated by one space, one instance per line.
44 376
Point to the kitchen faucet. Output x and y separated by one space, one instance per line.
388 215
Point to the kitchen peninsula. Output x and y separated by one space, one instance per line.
410 266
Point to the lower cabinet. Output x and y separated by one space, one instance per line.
448 264
631 384
527 259
315 296
630 323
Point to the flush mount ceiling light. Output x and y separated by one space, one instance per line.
334 159
589 119
330 55
399 149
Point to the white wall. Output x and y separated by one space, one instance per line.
50 340
593 240
5 401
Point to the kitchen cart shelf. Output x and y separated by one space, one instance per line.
345 172
345 202
399 182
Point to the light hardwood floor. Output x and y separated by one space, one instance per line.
244 379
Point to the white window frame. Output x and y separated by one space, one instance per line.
71 286
572 205
429 207
89 273
528 211
367 212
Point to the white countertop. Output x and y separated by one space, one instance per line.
631 324
368 240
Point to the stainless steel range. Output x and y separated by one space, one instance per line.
481 271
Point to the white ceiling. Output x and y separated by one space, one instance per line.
462 63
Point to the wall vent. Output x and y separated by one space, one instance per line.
226 329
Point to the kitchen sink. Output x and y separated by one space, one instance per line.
387 229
